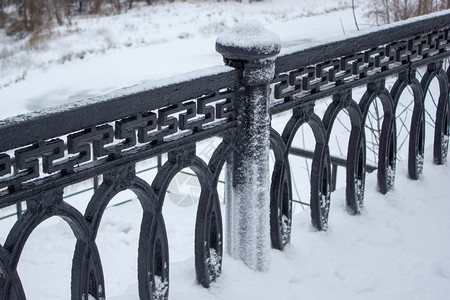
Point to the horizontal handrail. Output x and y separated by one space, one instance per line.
28 128
305 55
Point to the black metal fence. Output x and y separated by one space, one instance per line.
108 135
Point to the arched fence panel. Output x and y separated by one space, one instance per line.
441 133
321 169
208 226
356 154
280 195
417 127
387 138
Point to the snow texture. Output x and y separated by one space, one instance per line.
252 37
444 146
214 263
160 287
286 228
249 201
262 73
419 162
325 207
390 176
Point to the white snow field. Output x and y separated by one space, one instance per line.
398 248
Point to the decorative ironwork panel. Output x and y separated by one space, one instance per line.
148 129
357 69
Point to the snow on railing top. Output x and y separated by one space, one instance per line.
324 50
25 129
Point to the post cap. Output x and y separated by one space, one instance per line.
248 41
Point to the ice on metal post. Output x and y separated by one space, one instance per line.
251 49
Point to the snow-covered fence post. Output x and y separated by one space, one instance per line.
251 49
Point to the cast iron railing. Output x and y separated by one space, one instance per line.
109 135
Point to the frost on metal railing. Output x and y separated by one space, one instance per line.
138 128
251 49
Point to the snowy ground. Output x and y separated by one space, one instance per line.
397 249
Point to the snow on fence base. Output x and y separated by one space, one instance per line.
45 152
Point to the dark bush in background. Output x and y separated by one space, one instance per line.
388 11
27 16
